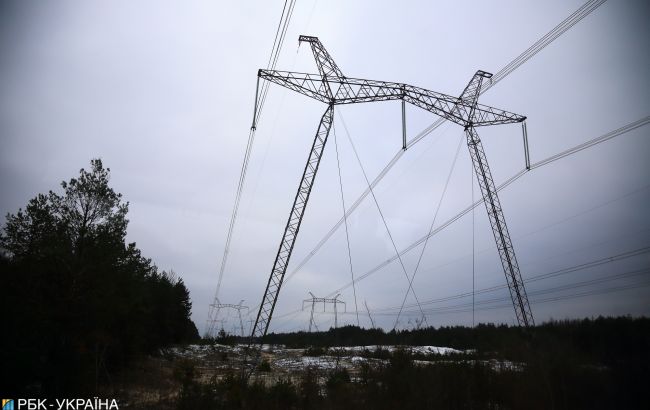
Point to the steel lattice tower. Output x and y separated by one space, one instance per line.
313 300
331 87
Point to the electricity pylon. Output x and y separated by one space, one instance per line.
333 88
335 300
239 307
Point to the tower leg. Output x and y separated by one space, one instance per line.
311 317
293 226
499 229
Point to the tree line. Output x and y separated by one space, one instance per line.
601 339
78 301
594 363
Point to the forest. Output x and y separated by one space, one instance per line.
593 363
78 302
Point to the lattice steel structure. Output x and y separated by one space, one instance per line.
333 88
217 309
314 300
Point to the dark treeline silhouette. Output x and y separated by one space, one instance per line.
79 302
601 363
605 339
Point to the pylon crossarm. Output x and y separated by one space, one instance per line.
461 111
333 88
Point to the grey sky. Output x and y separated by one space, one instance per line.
163 93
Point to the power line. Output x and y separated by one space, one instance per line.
549 299
468 306
622 130
485 304
275 51
512 179
547 275
619 131
535 278
618 198
347 235
381 214
433 221
529 53
471 176
276 55
539 45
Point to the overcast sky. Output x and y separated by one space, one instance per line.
163 93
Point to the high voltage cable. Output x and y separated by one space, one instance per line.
619 131
539 45
352 208
233 218
273 63
570 286
629 127
465 306
546 300
381 214
275 51
563 154
560 298
471 175
277 31
347 235
530 52
558 30
535 278
433 221
548 275
562 254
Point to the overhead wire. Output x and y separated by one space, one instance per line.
347 234
276 55
381 214
529 53
275 51
433 221
566 24
466 307
539 45
543 42
537 277
471 175
619 131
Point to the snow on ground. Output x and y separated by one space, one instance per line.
202 351
411 349
193 351
302 362
349 357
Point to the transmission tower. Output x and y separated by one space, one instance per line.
314 300
219 306
331 87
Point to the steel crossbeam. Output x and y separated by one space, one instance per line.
314 300
330 86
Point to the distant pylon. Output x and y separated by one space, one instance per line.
238 307
313 300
